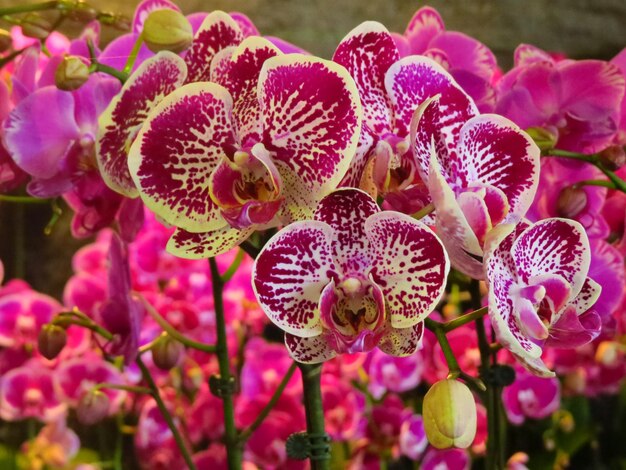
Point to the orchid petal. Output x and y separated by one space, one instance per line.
402 342
245 24
587 297
553 246
410 265
311 350
290 273
119 123
367 52
311 120
346 211
207 244
493 150
423 27
181 143
476 213
241 80
39 132
573 330
218 31
412 80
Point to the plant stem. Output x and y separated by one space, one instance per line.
464 319
121 76
232 269
130 62
423 212
166 414
245 434
170 330
603 183
249 248
23 199
234 447
440 333
126 388
66 320
28 8
311 377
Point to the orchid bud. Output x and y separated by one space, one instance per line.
93 407
449 412
613 157
5 40
71 74
571 202
167 30
51 340
544 138
35 26
166 352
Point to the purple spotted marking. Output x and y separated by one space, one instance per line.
218 31
309 350
207 244
402 341
120 122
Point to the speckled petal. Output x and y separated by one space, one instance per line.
410 265
553 246
241 80
207 244
412 80
218 31
500 268
311 119
119 123
367 52
493 150
346 211
587 296
309 350
290 273
179 146
401 341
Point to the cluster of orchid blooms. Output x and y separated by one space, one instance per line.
381 195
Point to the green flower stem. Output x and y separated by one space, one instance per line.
64 320
126 388
29 8
603 183
98 67
23 199
246 433
495 443
311 378
234 447
464 319
130 62
423 212
249 248
232 269
170 330
154 392
440 333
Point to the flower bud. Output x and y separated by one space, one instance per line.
167 30
613 157
92 407
35 26
571 202
51 340
166 352
6 41
449 412
544 138
71 74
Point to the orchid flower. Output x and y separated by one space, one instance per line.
539 292
480 173
352 279
391 89
469 61
580 100
219 162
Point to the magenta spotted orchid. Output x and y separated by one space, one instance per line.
219 162
539 292
391 89
481 172
352 279
469 61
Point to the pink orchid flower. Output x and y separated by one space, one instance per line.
394 374
54 446
539 292
531 397
481 171
469 61
391 89
219 162
579 100
352 279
